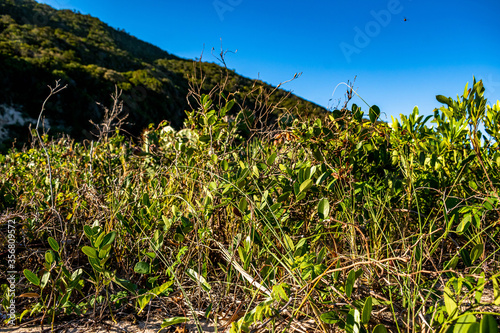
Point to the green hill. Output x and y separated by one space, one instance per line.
39 44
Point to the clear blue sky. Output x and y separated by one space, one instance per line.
398 63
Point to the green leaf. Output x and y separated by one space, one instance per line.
321 253
174 321
208 311
476 252
102 262
480 288
357 113
374 113
259 312
53 244
141 267
143 300
473 328
108 239
289 243
98 241
229 105
95 264
358 273
271 159
76 274
330 317
496 291
367 311
323 177
449 302
157 241
296 188
443 99
305 185
255 171
466 92
27 310
335 275
179 238
44 280
126 284
145 199
64 300
451 264
279 291
379 329
205 101
465 162
160 289
284 196
353 323
464 253
488 204
243 255
323 209
349 283
90 252
224 165
211 120
243 205
463 323
31 277
89 232
49 258
488 324
104 251
300 196
464 224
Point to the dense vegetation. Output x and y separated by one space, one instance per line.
339 220
39 45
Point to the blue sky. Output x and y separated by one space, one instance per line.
398 63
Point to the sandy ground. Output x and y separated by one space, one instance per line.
81 326
130 324
153 326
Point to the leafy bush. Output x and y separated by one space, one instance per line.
338 218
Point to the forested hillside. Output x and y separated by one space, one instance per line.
39 45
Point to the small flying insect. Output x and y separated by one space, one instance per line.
404 19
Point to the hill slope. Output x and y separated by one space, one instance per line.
39 45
